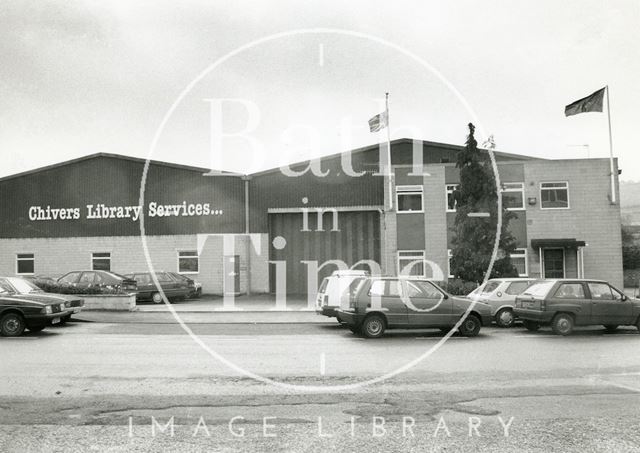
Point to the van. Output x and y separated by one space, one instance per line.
335 291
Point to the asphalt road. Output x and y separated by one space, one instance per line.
99 387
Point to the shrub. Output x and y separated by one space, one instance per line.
458 287
49 287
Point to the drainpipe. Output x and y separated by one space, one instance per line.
246 179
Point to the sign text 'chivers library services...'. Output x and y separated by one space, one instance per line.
101 211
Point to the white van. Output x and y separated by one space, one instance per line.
335 291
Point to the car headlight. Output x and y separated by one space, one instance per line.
47 310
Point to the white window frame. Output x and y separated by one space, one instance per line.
410 190
520 189
195 255
448 191
524 255
100 258
410 256
566 183
33 258
449 256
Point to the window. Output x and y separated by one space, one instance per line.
539 289
491 286
101 261
409 198
554 195
25 263
451 202
600 291
570 291
424 290
449 256
188 262
377 288
516 288
386 288
519 261
409 258
513 195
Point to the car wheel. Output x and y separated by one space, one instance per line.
36 328
12 325
531 325
373 326
156 298
562 324
611 327
505 318
470 327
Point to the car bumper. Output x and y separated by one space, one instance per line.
349 318
45 319
331 312
532 315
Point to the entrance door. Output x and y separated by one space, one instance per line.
553 261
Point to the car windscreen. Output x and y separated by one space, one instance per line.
491 286
538 289
24 286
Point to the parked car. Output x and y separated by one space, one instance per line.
97 279
19 285
27 311
335 291
378 304
565 303
172 287
500 294
194 286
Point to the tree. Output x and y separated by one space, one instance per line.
474 237
630 249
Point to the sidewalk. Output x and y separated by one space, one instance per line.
261 309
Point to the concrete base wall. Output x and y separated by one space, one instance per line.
109 302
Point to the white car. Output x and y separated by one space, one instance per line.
335 291
500 294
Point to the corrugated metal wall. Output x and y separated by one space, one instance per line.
358 239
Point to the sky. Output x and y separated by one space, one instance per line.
248 85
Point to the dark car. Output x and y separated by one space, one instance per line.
30 311
172 287
98 280
194 286
407 303
565 303
19 285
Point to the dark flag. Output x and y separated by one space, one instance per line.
591 103
379 122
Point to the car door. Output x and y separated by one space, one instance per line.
607 308
168 285
71 279
387 294
572 297
427 306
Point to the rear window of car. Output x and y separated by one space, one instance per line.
490 287
387 288
538 289
354 285
323 285
516 288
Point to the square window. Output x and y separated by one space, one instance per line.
101 261
513 195
411 262
554 195
25 263
188 262
409 198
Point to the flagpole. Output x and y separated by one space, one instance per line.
389 169
613 182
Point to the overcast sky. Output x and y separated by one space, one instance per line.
83 77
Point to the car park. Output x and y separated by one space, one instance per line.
172 287
99 280
18 285
195 288
27 311
500 294
381 303
566 303
334 291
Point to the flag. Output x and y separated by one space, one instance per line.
591 103
379 122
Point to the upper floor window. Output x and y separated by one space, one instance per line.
554 195
513 195
25 264
451 201
409 198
